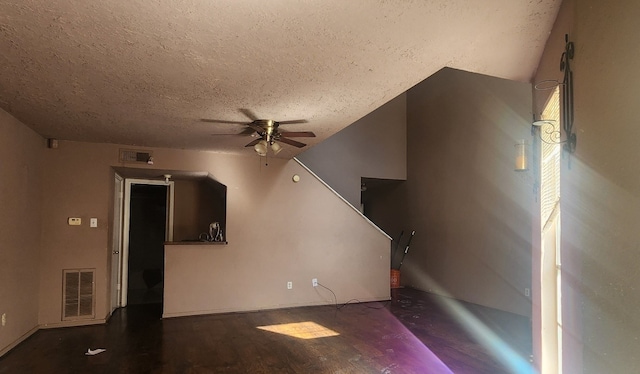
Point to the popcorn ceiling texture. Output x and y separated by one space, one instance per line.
145 72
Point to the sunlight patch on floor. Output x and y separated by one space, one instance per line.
301 330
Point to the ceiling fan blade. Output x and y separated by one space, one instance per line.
292 142
249 114
222 121
297 134
293 121
253 142
247 131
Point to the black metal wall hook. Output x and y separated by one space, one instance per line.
567 95
566 102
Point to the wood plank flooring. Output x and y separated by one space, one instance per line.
413 333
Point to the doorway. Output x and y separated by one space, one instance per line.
148 224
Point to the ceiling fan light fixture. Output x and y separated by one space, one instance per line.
276 148
261 147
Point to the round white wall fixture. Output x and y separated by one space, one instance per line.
295 178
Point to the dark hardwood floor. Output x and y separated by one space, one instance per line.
413 333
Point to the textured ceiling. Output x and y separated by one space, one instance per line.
146 72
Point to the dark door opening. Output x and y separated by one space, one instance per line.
147 233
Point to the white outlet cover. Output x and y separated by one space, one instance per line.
93 222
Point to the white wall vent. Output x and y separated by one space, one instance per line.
130 155
78 298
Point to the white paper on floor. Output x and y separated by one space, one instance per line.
93 352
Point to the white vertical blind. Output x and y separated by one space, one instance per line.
550 165
551 272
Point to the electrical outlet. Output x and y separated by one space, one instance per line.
4 319
314 282
289 285
527 292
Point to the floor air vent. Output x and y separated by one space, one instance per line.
78 294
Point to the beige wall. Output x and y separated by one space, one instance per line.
278 231
20 189
470 209
600 187
288 232
78 182
372 147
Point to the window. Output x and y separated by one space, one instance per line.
550 277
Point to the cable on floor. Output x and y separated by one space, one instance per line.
338 307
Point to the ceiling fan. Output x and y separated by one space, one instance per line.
268 132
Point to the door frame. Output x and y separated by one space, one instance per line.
128 182
116 244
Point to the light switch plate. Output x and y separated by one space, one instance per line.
93 222
75 221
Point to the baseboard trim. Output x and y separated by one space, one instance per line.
81 322
265 308
6 349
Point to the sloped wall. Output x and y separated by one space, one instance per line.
373 147
470 209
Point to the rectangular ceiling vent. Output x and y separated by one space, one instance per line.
129 155
78 299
